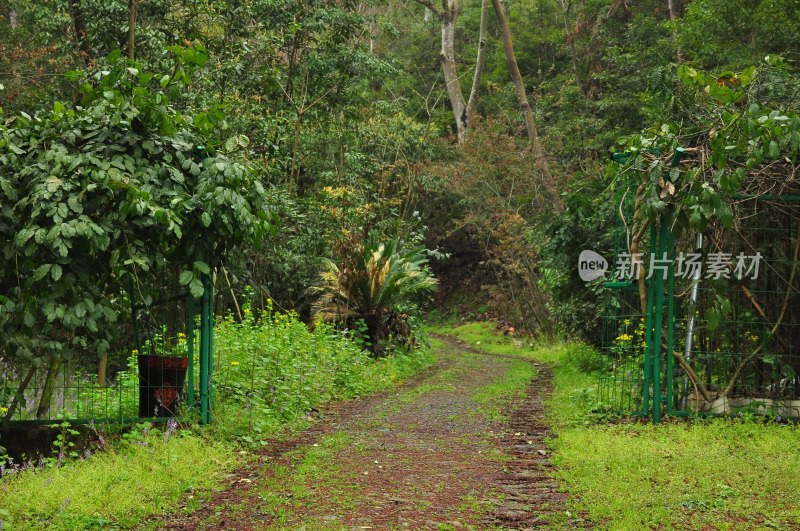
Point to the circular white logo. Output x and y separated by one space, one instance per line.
591 266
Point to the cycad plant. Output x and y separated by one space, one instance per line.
373 281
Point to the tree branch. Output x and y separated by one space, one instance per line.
472 102
429 5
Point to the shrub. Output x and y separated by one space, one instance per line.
271 369
375 281
585 358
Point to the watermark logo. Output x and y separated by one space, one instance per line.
685 266
591 266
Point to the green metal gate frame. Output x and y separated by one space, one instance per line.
199 395
206 347
659 366
661 242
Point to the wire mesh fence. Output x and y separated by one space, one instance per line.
738 338
621 384
721 330
165 374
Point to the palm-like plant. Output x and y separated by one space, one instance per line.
373 280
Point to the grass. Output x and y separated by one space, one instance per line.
493 398
120 487
717 474
315 470
695 474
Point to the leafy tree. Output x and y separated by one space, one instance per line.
112 193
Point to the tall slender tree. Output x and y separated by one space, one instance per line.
539 157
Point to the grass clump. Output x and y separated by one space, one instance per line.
143 475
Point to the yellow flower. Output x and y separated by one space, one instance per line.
626 322
234 363
3 410
181 335
135 351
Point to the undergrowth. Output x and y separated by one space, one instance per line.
138 476
271 371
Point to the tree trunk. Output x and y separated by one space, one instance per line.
447 57
101 370
566 5
79 27
671 8
19 396
463 111
131 29
46 398
480 60
539 158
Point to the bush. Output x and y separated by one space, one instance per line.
376 281
271 369
585 358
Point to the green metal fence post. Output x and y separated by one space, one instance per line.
659 319
190 348
204 356
648 349
210 347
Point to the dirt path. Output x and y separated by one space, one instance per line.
461 446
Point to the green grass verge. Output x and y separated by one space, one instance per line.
683 474
117 487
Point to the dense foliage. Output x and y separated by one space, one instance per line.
271 369
147 152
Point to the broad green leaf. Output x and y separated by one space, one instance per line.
202 267
186 277
41 272
774 150
196 288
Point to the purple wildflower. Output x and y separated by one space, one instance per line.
172 426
